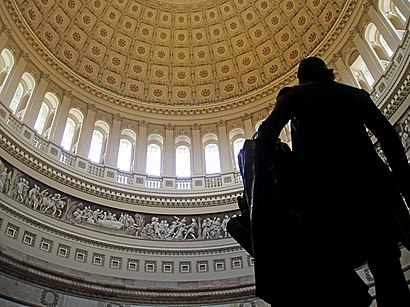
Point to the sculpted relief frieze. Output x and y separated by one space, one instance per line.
34 195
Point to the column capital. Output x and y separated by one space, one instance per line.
68 94
353 32
169 127
92 107
246 116
117 117
367 5
45 76
221 123
195 126
25 56
337 55
143 124
6 30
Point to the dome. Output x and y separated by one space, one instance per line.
180 57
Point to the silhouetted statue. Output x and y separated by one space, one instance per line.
338 207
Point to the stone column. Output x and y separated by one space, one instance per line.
11 83
224 148
35 101
368 55
197 151
87 132
385 27
111 156
60 120
141 148
169 152
247 121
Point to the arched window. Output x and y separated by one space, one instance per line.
99 141
69 130
42 118
125 160
394 16
17 98
46 114
125 155
153 166
237 146
377 42
72 129
212 162
22 95
96 146
362 73
183 161
6 63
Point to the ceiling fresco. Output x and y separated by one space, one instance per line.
181 53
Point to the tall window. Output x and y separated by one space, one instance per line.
183 161
41 119
362 73
125 155
17 98
237 146
96 146
68 135
153 166
212 163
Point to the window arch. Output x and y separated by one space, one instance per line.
6 63
183 156
237 146
22 94
98 142
183 161
378 44
212 161
154 155
41 118
153 160
72 130
390 11
126 150
211 154
360 71
46 114
237 139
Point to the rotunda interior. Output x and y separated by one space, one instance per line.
120 126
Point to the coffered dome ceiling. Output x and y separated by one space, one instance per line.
182 53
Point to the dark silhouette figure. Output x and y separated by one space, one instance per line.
350 206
